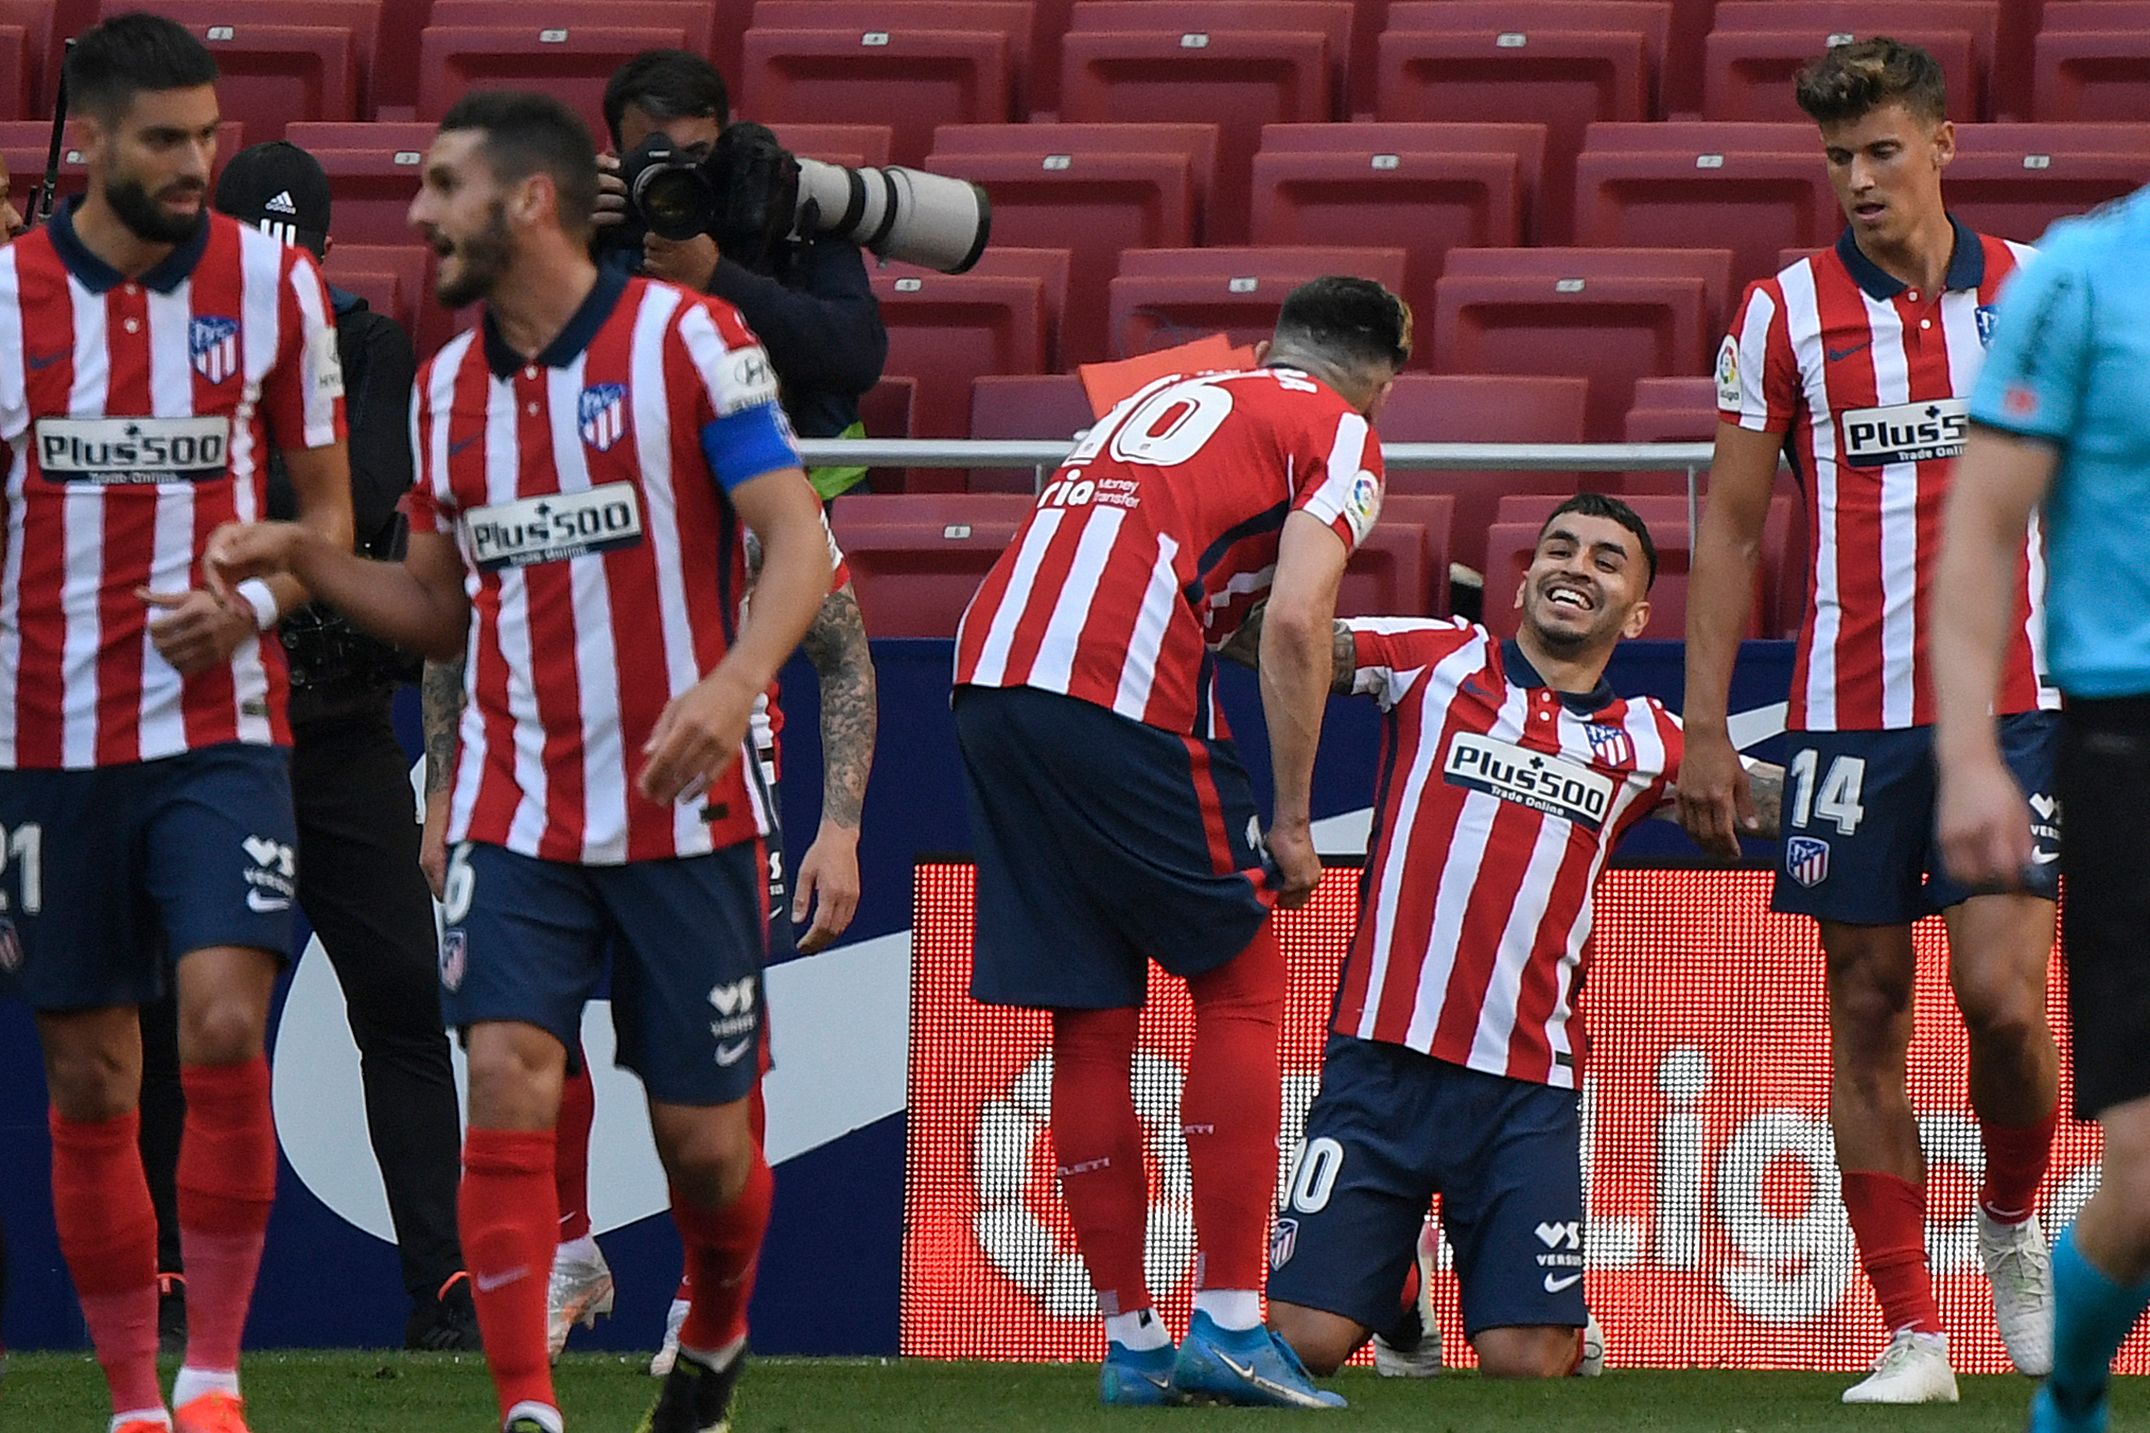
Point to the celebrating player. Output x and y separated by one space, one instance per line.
1113 821
1855 363
150 354
585 460
1510 771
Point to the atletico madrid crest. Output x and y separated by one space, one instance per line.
1611 744
604 415
1806 860
214 344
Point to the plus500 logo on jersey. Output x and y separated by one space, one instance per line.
1529 778
555 527
133 450
1906 433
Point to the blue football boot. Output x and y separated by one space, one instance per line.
1253 1368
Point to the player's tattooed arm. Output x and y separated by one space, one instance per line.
836 645
1765 785
1245 645
441 712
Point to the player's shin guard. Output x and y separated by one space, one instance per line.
1098 1142
509 1223
1888 1221
2016 1159
723 1251
571 1156
227 1182
108 1236
1229 1111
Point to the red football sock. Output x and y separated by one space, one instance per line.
509 1229
1097 1143
1229 1112
2016 1157
227 1182
571 1159
108 1235
723 1251
1888 1219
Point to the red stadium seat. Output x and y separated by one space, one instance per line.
1094 203
1368 137
41 48
2015 180
909 80
1652 19
1388 574
1424 202
1712 266
850 144
1547 312
269 75
1748 73
371 192
1679 409
1433 517
1024 406
1164 297
1475 408
359 267
947 329
1049 267
1334 20
867 510
1236 79
1823 21
18 83
570 63
1746 201
1540 70
1013 19
914 579
694 19
885 411
2090 74
363 18
412 136
1047 142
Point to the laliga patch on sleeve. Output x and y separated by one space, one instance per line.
1362 505
325 364
747 380
1728 385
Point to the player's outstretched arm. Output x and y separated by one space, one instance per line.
1297 662
1980 819
1714 802
828 876
1245 648
417 604
701 731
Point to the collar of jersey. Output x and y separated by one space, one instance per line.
1966 264
1520 673
568 344
100 277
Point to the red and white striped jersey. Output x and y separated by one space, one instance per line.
1499 800
138 416
768 719
1159 533
1869 382
604 564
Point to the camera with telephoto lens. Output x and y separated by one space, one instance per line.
752 195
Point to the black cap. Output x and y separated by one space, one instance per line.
280 188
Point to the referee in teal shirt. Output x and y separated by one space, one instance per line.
2061 424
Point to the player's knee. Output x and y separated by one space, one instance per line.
707 1158
1323 1341
228 1030
89 1081
1869 1013
511 1086
2004 1013
1527 1352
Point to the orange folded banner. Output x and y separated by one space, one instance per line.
1105 384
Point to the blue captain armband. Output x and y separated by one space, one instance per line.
747 443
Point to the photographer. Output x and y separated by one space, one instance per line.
358 879
808 300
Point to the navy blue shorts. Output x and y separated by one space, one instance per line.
1102 844
528 940
1390 1129
113 872
1859 821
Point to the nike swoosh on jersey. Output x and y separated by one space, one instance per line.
1838 355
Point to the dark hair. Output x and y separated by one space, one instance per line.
526 133
113 62
1354 319
1849 81
1599 505
666 84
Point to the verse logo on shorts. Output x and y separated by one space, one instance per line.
1563 1240
738 1019
272 874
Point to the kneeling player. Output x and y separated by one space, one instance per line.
1510 770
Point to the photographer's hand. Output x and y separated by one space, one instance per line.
690 263
611 211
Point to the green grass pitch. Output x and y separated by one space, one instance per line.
348 1392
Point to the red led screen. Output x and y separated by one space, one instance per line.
1716 1236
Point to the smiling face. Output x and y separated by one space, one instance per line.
1886 169
1587 586
151 160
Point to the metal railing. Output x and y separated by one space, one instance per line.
1043 456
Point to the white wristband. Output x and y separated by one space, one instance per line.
262 598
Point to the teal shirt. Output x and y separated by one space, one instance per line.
2070 365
